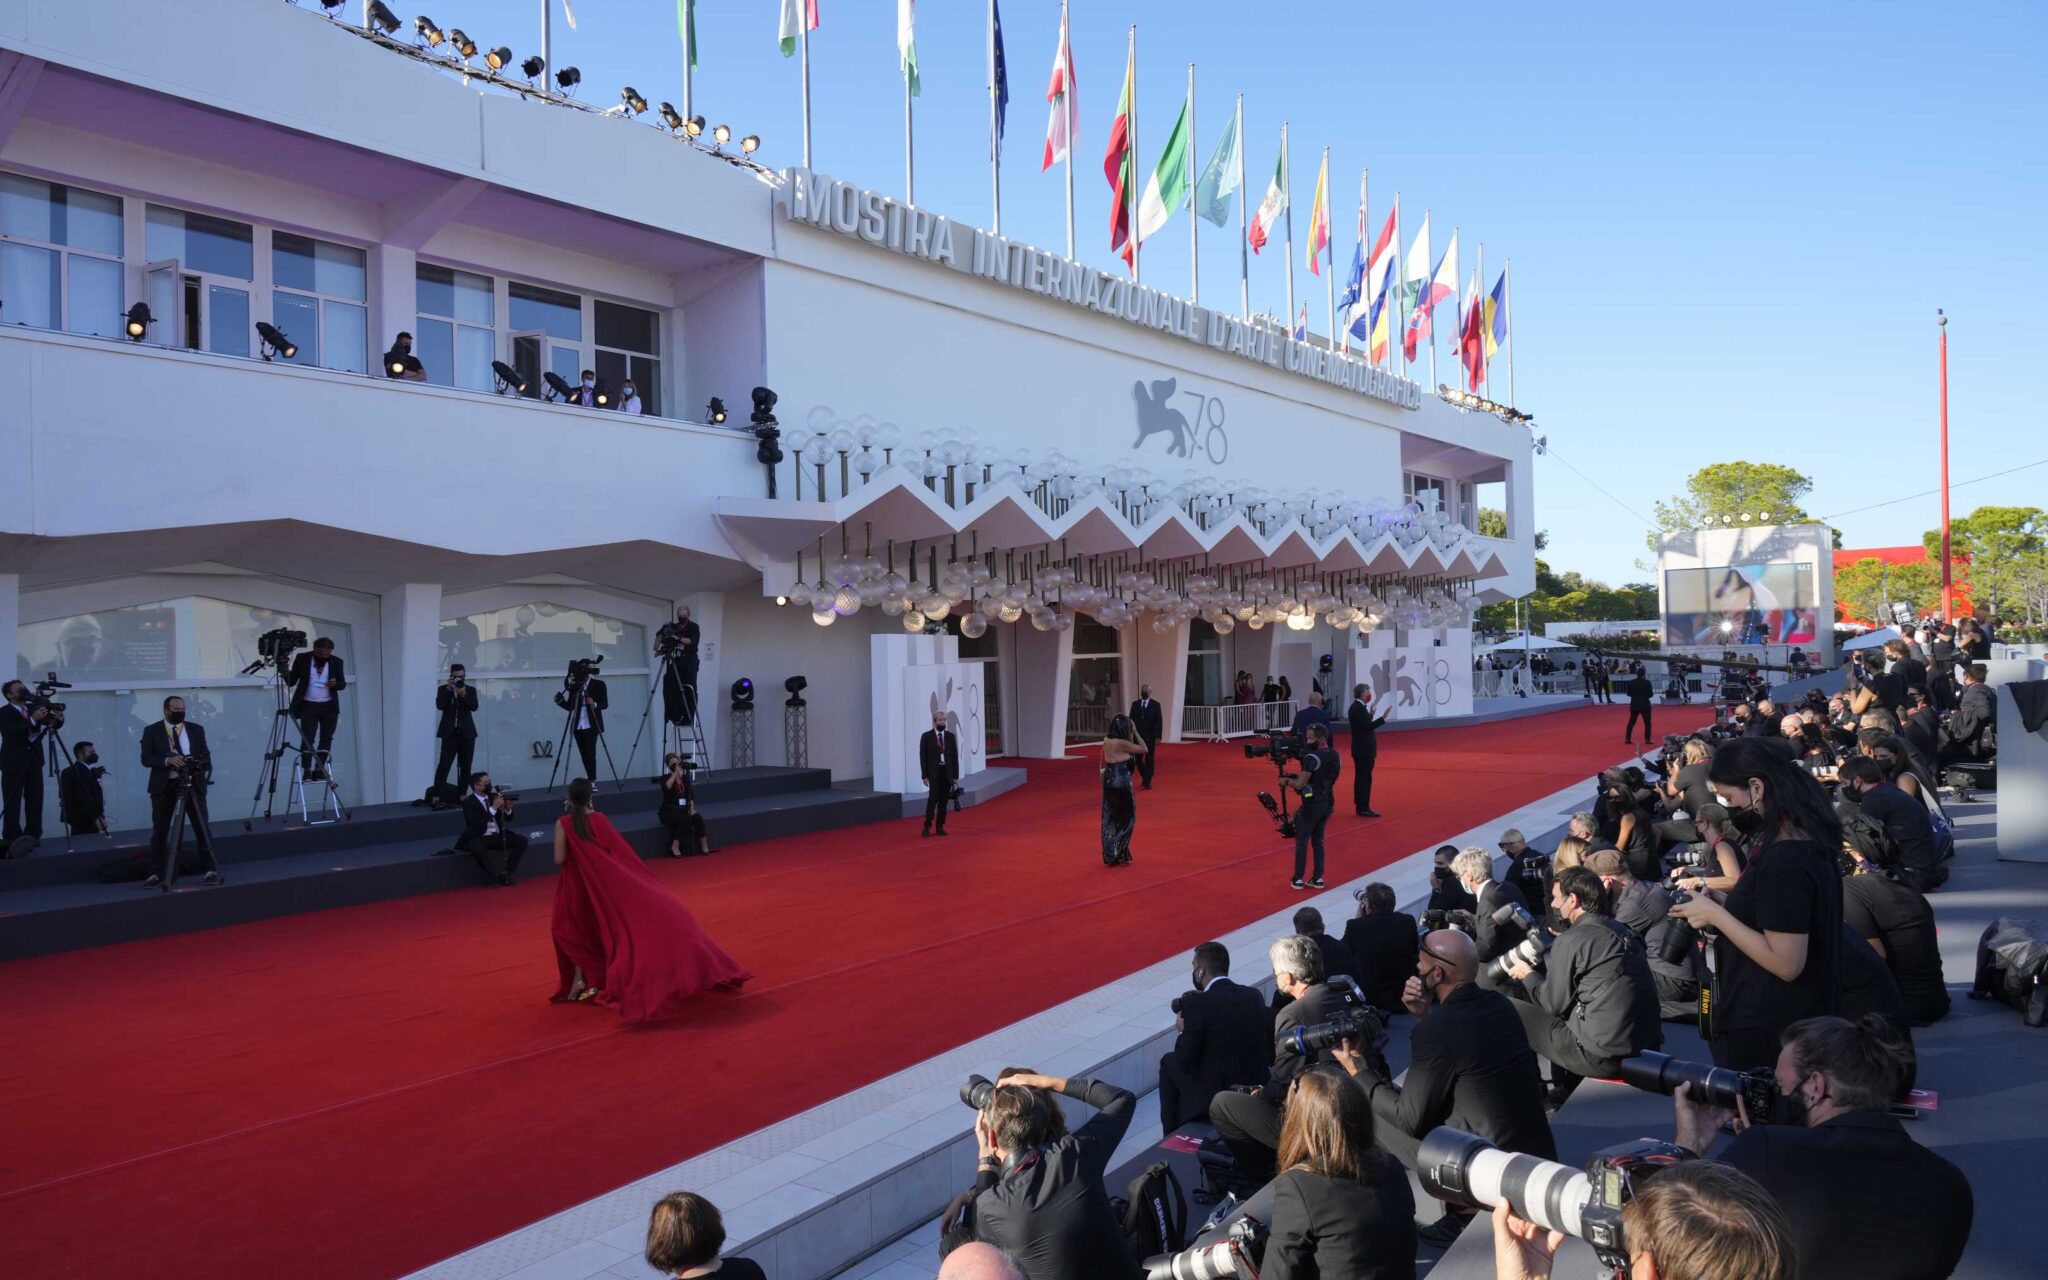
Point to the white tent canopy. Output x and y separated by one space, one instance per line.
1519 644
1871 640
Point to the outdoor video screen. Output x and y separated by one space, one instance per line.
1741 604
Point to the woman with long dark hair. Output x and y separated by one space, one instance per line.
1778 955
1341 1207
622 939
1120 746
1634 831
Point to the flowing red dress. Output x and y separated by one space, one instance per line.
633 939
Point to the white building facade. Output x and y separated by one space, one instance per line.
1108 486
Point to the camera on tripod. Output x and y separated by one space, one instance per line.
39 700
195 769
668 640
1753 1092
278 644
580 672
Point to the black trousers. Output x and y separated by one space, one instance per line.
1309 822
679 692
1638 713
316 729
460 752
935 803
1251 1125
586 747
507 846
1361 777
1147 763
684 826
1551 1037
23 789
161 806
1180 1101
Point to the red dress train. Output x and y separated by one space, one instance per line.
633 939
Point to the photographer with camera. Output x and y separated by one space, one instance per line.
314 680
1249 1117
1039 1195
1971 733
1316 785
1644 909
174 752
1341 1207
1894 918
1225 1041
584 696
678 813
81 804
1474 869
1692 1221
1595 1001
677 642
1528 869
22 725
1838 1163
456 701
487 830
1383 944
1907 827
1716 862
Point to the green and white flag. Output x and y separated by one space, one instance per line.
1218 183
796 15
906 42
1168 188
686 27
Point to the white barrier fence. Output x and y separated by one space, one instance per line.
1234 720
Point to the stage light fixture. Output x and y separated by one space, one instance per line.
632 100
714 412
499 58
782 602
275 341
382 18
721 134
742 694
331 5
671 119
462 44
558 386
603 399
695 127
508 378
568 78
139 321
751 143
533 66
795 686
429 34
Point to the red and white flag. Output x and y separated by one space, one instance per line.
1271 207
1065 124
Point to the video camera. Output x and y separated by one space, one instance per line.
278 644
39 700
1756 1091
668 640
1280 746
580 672
196 769
1465 1169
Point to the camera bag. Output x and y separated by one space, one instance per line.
2012 967
1155 1212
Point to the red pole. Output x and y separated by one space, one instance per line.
1948 610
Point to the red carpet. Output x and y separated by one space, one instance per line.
358 1093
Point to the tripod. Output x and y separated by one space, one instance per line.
56 756
685 739
572 702
274 751
187 807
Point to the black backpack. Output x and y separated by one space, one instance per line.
1155 1212
2012 968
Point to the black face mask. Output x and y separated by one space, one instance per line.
87 757
1794 1109
1746 820
174 717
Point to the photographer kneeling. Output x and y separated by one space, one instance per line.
1038 1191
1644 909
1595 1002
1865 1201
1249 1118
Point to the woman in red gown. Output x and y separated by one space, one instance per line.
622 939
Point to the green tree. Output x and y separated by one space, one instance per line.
1764 491
2002 544
1493 522
1865 587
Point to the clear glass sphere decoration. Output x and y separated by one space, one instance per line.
1224 625
1010 611
894 604
819 419
973 626
913 621
824 617
1256 622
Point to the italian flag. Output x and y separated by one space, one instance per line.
796 15
1271 207
1117 164
1168 189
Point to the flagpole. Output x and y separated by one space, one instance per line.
1287 190
1479 301
1131 136
1427 289
1067 106
1194 217
1365 258
1396 358
1507 300
689 56
1329 257
547 53
1244 252
803 39
995 148
909 147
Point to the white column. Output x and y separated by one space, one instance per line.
10 620
410 623
1162 662
394 298
1044 665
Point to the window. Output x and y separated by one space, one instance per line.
217 260
1425 491
1094 682
457 336
318 301
628 347
1204 686
60 257
1468 506
538 318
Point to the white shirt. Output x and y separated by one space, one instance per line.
316 682
490 815
1221 977
582 714
630 404
180 744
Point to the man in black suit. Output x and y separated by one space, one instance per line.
21 764
487 830
1040 1198
1382 944
1639 692
589 392
588 706
175 754
315 681
456 728
679 682
1365 747
1474 869
1336 957
1225 1041
1972 731
1150 722
81 803
1865 1201
938 763
1249 1119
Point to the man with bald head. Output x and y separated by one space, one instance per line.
979 1261
1470 1064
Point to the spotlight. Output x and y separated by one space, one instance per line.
382 17
742 694
721 134
714 412
795 686
429 34
603 399
764 405
332 5
274 340
671 119
139 321
499 58
508 378
634 102
533 66
568 78
695 127
461 43
751 143
558 387
782 602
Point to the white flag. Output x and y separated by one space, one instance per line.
1066 112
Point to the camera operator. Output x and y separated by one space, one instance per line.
679 689
1039 1193
1446 892
1528 869
21 763
1865 1201
1317 785
1249 1118
487 829
678 814
1382 942
1633 833
1474 869
1972 730
1722 849
1365 747
456 729
174 752
81 804
591 702
1643 907
1905 821
1469 1063
401 363
1595 1002
1694 1221
315 678
1225 1041
1778 952
1896 920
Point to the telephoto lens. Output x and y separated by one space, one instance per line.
1232 1258
1514 916
975 1093
1529 951
1756 1090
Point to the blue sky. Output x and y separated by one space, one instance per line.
1731 225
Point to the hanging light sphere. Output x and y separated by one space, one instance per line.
824 617
1256 622
973 626
1010 611
846 603
1224 625
913 621
1043 620
894 604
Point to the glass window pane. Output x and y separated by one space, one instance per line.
474 351
93 297
567 362
434 344
647 381
187 638
532 307
90 220
202 243
627 328
339 271
291 261
345 337
612 373
299 317
28 285
27 209
443 291
227 321
54 214
513 714
434 290
540 637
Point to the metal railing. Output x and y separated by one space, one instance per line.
1234 720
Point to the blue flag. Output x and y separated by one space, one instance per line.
999 73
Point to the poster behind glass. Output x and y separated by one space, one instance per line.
1741 604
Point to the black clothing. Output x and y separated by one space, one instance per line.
1383 948
679 816
679 681
1469 1065
1639 693
1491 939
1888 690
938 763
740 1269
1447 894
301 677
586 750
21 773
1922 731
1691 784
1226 1040
1972 726
1640 849
1322 767
586 739
316 720
1865 1201
81 804
1911 673
458 709
476 817
1150 723
1365 751
1867 986
1887 912
1047 1207
1792 886
459 753
1340 1228
1250 1123
1596 985
1911 832
158 746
